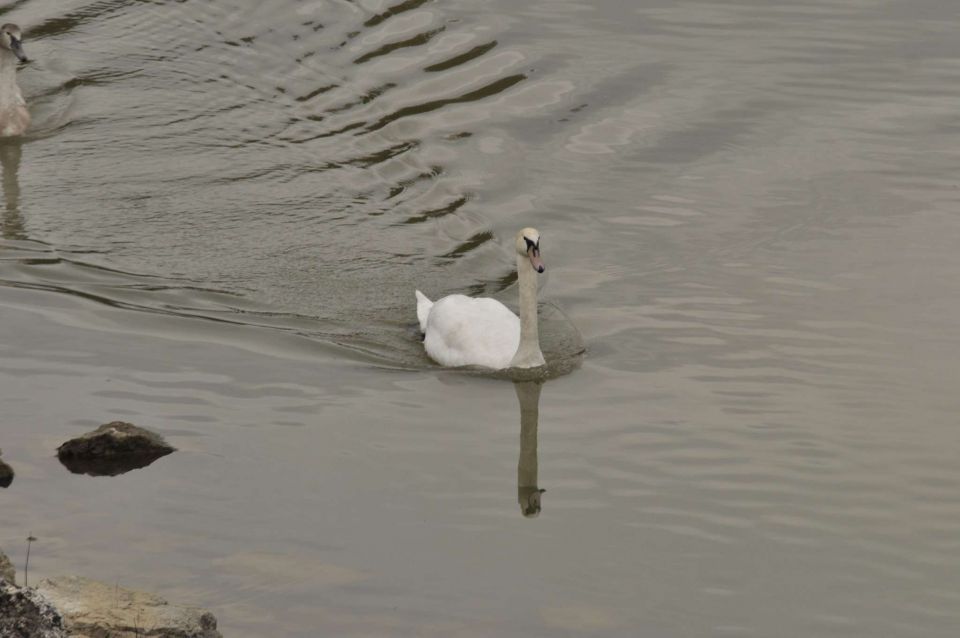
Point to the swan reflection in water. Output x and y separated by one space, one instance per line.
12 227
528 493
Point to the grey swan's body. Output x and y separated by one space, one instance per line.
14 116
466 331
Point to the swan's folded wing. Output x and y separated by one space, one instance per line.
468 331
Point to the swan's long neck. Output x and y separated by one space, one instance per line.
9 91
528 353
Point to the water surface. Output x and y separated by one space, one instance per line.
749 214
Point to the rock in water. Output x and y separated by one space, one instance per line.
112 449
92 608
6 475
26 613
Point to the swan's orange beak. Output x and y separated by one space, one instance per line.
533 252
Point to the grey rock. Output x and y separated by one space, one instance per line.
92 609
112 449
6 474
26 613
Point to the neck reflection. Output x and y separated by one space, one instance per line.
12 227
528 494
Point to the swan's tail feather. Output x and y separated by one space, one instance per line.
423 309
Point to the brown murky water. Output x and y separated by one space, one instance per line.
750 213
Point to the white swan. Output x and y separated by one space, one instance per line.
463 331
14 116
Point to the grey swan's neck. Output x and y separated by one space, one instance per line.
9 91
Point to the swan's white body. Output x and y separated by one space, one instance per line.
463 331
14 116
466 331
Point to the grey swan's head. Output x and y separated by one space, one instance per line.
12 40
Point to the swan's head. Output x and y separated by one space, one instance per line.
528 245
11 40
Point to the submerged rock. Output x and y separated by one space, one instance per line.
6 474
94 609
7 571
27 613
112 449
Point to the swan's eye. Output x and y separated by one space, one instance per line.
531 243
